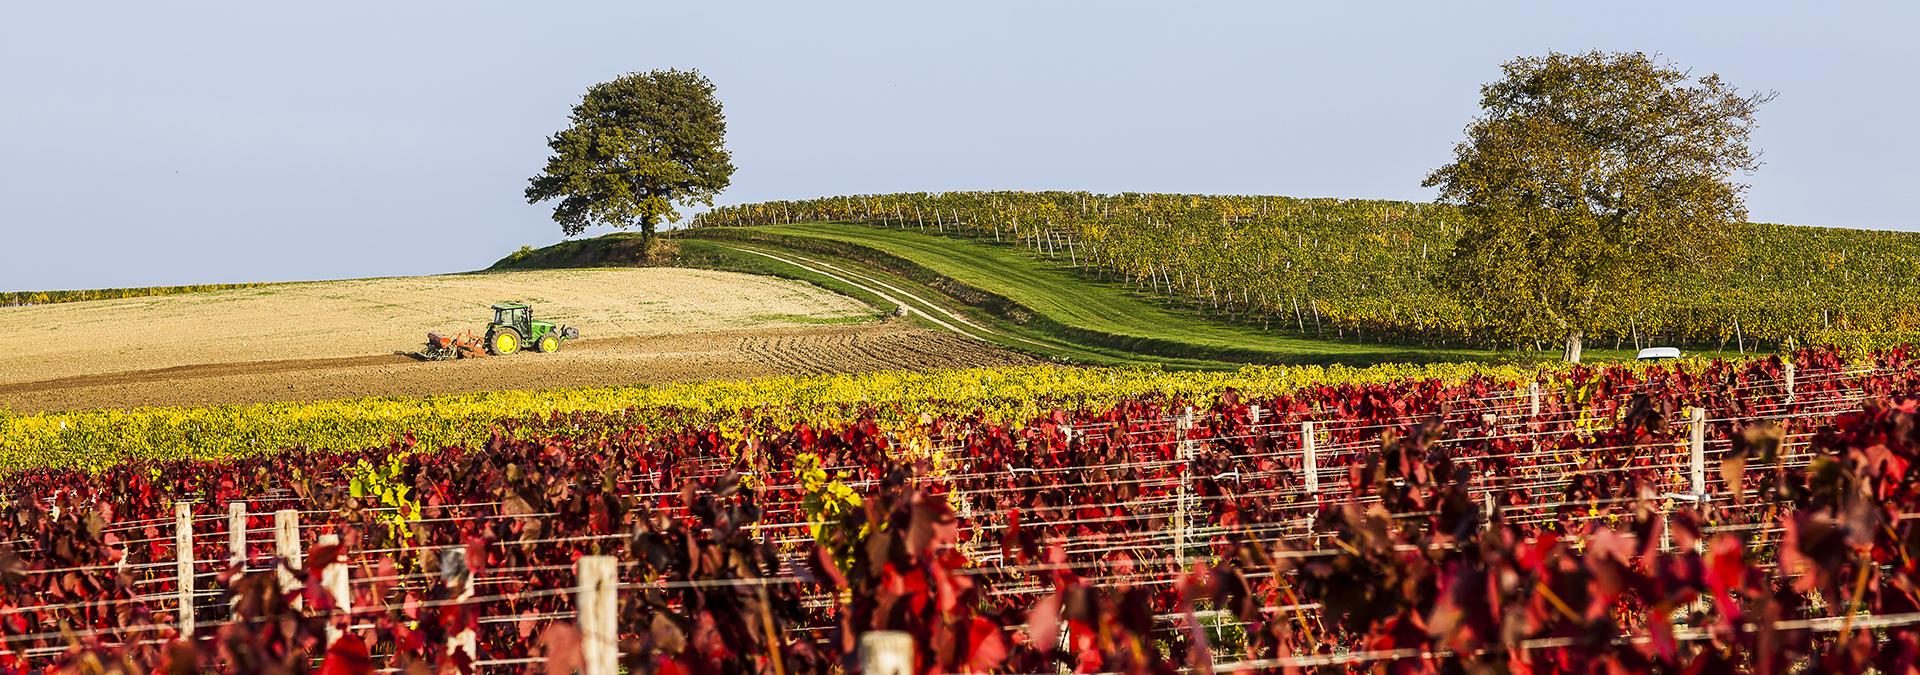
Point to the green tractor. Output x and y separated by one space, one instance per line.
514 328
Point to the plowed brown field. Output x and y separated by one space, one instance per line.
348 338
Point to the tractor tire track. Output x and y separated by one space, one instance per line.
922 306
927 309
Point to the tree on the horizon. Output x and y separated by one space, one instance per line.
637 147
1587 179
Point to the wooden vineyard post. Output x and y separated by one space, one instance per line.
1253 414
334 581
237 532
183 566
1789 377
1533 397
886 652
1185 427
1697 474
597 602
1310 471
286 545
1309 459
1697 455
1666 526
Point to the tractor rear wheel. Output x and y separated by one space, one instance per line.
503 342
547 344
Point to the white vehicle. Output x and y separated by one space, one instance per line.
1659 353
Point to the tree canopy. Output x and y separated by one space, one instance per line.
1587 179
637 147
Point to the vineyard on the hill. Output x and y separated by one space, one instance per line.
1716 517
1363 267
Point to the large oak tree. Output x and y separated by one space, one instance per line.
1587 179
638 146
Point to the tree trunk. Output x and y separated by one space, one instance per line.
649 227
1573 347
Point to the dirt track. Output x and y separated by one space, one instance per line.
339 339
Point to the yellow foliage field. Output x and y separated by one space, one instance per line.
99 438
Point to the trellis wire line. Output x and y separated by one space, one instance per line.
1331 424
991 527
1041 524
1356 445
1264 544
92 568
476 600
1340 425
485 663
1820 625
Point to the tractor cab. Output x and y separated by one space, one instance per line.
515 315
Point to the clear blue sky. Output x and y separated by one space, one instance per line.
157 143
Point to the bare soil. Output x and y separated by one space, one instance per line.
345 339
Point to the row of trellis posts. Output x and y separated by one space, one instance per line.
596 599
1310 465
596 595
883 653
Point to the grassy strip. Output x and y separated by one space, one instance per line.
615 249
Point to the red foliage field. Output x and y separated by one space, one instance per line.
1432 527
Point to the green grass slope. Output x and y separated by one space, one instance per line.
1004 294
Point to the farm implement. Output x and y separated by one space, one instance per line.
512 330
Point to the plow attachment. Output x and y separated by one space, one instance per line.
448 347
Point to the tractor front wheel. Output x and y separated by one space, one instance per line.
547 344
504 342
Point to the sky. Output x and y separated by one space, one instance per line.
207 142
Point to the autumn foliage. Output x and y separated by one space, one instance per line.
1450 529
